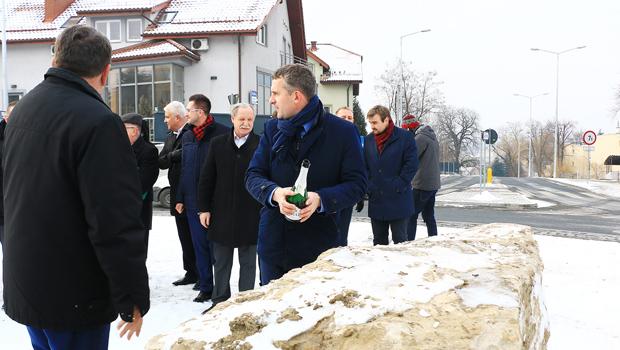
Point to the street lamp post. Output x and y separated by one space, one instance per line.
557 89
529 153
402 92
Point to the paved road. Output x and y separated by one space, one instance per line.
576 211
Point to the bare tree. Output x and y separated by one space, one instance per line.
566 130
389 85
427 98
420 92
542 147
511 148
458 127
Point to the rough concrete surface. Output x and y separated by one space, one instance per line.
479 289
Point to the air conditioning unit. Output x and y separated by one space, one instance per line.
199 44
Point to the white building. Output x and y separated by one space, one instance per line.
165 50
340 74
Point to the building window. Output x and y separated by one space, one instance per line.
261 36
134 30
263 88
286 55
167 16
15 96
111 29
144 89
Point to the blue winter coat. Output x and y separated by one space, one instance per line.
336 173
389 175
194 153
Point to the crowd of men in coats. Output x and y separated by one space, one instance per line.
74 262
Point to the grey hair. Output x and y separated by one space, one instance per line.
176 108
234 109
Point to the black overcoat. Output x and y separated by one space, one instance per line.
221 191
146 156
170 158
74 252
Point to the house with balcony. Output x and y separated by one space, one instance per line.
165 50
338 72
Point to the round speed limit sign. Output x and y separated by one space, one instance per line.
589 137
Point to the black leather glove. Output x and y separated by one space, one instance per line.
359 206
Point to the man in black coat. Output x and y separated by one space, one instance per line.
170 158
74 256
5 119
226 208
195 148
146 156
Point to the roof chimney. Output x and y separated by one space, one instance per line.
313 46
53 8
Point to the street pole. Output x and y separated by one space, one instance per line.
529 147
557 90
518 156
401 94
529 152
489 164
481 161
588 162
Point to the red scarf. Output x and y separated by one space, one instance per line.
199 131
384 136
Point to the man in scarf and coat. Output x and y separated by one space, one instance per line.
336 178
391 160
195 146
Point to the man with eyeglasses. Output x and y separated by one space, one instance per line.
195 145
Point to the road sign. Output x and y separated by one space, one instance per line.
489 136
589 137
253 97
588 148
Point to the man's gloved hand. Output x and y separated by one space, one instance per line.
359 206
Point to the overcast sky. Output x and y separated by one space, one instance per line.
481 52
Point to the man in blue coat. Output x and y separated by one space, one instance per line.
336 178
195 146
392 161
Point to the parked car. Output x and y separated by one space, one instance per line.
161 190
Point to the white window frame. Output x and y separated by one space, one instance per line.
141 29
107 33
261 35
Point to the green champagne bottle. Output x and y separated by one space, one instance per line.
301 192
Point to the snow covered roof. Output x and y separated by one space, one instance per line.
152 49
193 17
25 21
344 65
90 6
214 16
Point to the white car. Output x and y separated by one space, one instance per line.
161 189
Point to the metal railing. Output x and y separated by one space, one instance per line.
287 58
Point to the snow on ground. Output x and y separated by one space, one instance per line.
541 203
609 188
484 196
581 286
